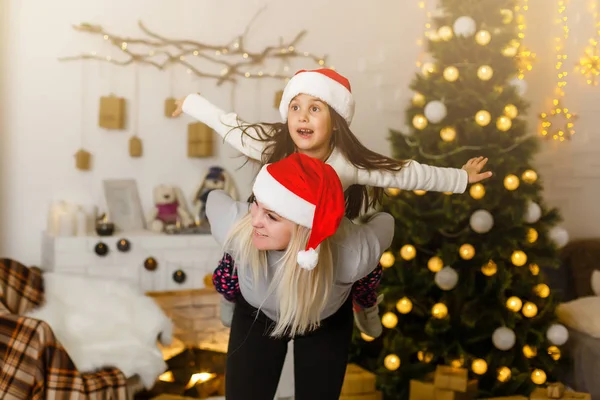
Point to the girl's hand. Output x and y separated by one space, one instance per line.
179 109
474 167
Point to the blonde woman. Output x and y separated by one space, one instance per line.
297 258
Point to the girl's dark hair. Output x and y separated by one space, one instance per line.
280 145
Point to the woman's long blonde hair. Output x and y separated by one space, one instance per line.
300 293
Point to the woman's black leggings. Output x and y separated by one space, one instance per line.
255 359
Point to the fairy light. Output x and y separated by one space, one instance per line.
589 62
558 124
426 33
525 57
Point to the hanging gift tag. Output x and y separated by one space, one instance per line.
135 147
278 97
83 160
112 112
170 107
200 140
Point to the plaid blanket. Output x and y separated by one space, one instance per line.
33 363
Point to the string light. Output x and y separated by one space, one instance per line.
525 57
589 63
426 33
562 129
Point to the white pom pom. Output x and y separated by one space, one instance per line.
307 259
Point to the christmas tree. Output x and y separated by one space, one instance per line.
463 280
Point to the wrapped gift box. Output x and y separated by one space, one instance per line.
450 378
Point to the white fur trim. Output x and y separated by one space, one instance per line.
103 323
308 259
276 197
318 85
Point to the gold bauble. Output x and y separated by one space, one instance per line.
532 235
514 304
529 176
507 15
419 121
466 251
518 258
503 374
534 269
483 118
511 182
428 68
489 269
391 362
445 33
424 356
404 305
483 37
503 123
457 363
477 191
509 51
451 73
435 264
479 366
433 36
389 320
510 110
208 282
529 351
408 252
418 100
439 311
542 290
485 72
529 310
420 192
554 352
366 337
448 134
538 377
392 191
387 259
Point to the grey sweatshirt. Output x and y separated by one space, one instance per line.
355 251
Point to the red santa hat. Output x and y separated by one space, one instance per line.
324 83
306 191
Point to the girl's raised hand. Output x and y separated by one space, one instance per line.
474 167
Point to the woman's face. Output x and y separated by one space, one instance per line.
270 230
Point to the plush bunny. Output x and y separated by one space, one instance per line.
169 208
216 178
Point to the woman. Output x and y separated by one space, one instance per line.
296 259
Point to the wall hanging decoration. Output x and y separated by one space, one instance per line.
589 62
83 158
200 140
112 112
135 143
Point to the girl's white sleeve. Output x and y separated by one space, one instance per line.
415 176
223 213
227 125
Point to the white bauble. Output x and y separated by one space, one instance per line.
504 338
435 111
464 26
481 221
446 278
407 131
533 213
519 84
557 334
559 236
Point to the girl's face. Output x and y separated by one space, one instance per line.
270 230
309 123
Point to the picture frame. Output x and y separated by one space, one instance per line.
123 204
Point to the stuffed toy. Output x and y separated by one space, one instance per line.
169 208
216 178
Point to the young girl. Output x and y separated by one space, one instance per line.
297 258
317 108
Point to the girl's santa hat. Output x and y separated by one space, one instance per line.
324 83
306 191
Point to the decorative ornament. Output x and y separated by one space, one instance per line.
391 362
529 351
123 245
507 16
387 259
199 140
466 251
83 160
483 37
532 235
428 68
518 258
445 33
451 73
529 176
446 278
514 304
534 269
503 123
420 192
589 63
511 111
557 334
408 252
504 338
511 182
503 374
448 134
439 311
542 290
477 191
559 123
464 26
519 84
419 121
538 377
559 236
424 356
481 221
135 147
479 366
554 353
435 264
529 310
533 212
418 100
435 111
389 320
483 118
490 268
510 51
366 337
485 72
404 305
392 191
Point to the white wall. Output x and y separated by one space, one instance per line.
42 129
3 112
